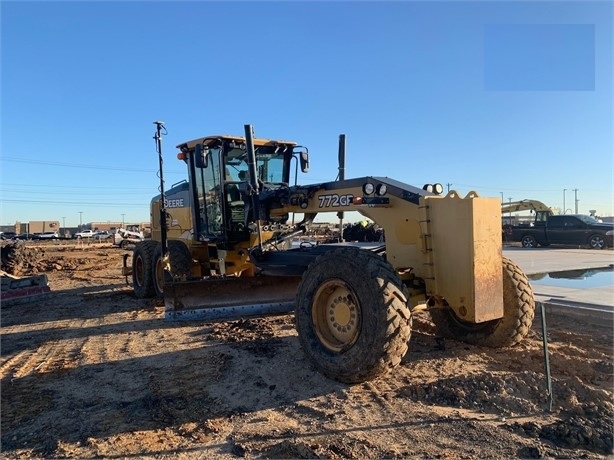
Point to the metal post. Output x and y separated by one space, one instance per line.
564 208
341 177
575 190
158 139
510 198
546 358
253 179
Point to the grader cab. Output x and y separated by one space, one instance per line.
223 247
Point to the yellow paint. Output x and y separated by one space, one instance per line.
465 242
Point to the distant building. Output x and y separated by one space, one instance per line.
112 226
109 226
37 226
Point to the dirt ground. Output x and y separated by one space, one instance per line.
89 371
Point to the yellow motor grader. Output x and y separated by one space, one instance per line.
224 246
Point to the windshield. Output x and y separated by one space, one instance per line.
587 219
269 165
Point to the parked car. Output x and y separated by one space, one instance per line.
24 236
84 234
47 236
101 235
7 235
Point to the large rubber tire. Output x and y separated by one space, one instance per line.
180 260
518 315
528 241
597 242
352 316
142 269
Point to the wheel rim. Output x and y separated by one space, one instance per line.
597 243
336 315
139 271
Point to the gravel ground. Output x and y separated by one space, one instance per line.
90 371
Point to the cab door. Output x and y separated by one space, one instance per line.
207 194
567 230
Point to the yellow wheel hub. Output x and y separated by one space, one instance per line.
336 315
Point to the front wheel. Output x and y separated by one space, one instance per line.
180 262
596 242
352 316
528 241
518 314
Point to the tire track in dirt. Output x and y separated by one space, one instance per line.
19 365
49 356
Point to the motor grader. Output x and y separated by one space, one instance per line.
224 247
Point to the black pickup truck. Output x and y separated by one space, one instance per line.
569 229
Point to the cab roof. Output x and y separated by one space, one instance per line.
210 140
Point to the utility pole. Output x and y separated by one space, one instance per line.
64 224
502 199
80 220
575 190
123 220
564 209
510 198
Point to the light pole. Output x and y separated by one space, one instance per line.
510 198
80 220
123 220
564 209
575 191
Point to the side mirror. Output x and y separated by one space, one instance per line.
304 158
201 156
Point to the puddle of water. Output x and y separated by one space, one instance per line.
576 279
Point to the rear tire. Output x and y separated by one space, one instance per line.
518 314
596 242
528 242
142 269
180 260
352 316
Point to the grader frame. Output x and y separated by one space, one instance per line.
216 259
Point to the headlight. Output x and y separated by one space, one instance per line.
381 189
368 188
609 233
436 188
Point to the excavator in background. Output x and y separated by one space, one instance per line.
224 247
538 208
539 211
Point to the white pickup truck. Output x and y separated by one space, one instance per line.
84 234
126 238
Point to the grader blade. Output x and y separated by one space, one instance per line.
221 299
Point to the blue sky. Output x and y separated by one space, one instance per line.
510 99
